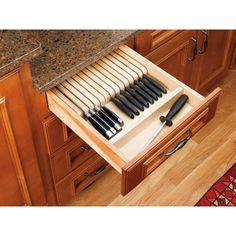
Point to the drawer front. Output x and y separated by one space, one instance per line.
123 150
72 156
142 166
79 180
169 148
152 39
57 134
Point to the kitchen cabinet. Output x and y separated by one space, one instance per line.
20 180
233 60
214 54
176 55
196 57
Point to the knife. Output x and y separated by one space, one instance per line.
167 120
142 93
146 89
155 83
132 100
137 96
151 87
123 108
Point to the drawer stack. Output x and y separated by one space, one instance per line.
74 164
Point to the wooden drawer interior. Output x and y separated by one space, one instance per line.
73 156
126 147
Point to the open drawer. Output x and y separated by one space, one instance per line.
123 150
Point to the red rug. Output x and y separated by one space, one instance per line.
223 192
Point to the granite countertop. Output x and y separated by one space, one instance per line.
54 55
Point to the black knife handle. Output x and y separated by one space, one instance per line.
132 100
147 90
142 93
151 87
175 108
113 115
155 83
99 127
127 104
103 122
137 96
108 119
123 108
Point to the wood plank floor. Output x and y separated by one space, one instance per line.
187 175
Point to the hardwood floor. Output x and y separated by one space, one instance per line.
187 175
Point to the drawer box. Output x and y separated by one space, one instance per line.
123 150
56 133
75 155
78 180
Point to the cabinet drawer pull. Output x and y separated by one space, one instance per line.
194 50
179 145
85 148
96 172
205 44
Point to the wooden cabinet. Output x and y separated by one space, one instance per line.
20 180
196 57
176 55
214 53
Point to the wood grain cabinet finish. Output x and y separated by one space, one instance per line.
196 57
215 48
20 179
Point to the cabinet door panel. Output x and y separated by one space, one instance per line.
173 56
215 60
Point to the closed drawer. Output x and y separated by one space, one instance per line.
56 133
79 180
75 155
123 150
152 39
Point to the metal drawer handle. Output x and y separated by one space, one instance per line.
205 44
96 172
194 50
179 145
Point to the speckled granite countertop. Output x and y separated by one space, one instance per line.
55 55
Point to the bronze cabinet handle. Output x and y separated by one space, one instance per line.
205 44
195 50
179 145
96 172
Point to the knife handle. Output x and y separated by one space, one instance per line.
132 100
155 83
123 108
102 122
113 115
175 108
108 119
127 104
147 90
151 87
138 97
142 93
99 127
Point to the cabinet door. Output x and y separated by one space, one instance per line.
177 55
214 50
20 180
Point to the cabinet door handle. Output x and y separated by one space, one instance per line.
96 172
194 49
205 44
179 145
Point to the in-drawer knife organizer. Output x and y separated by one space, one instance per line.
101 81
